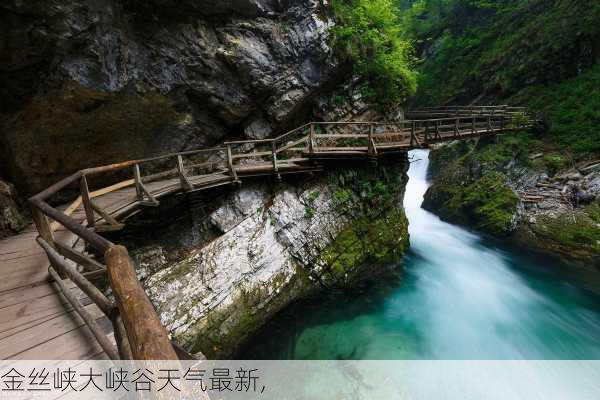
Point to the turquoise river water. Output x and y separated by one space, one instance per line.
458 295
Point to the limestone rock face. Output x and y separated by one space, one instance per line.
279 244
77 78
12 218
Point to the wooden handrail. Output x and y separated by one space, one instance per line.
137 327
148 339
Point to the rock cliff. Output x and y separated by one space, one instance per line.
264 246
97 81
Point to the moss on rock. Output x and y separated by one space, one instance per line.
377 233
575 236
487 203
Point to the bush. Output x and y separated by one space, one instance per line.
369 35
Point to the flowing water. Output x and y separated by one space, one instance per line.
457 295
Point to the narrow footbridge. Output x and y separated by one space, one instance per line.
57 312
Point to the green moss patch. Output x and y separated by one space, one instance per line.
487 203
578 233
377 234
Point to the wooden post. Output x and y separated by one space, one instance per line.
456 129
311 139
148 339
274 155
138 181
86 286
42 224
121 337
437 129
141 190
426 132
230 164
87 206
412 133
183 179
370 147
473 125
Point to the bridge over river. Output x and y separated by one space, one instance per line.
50 307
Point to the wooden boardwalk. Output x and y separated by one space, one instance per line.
38 322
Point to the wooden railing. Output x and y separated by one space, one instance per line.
138 331
428 112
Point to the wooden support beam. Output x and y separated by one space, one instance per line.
147 337
274 155
71 272
183 179
311 139
100 243
232 170
456 128
104 214
121 338
91 323
371 146
141 191
86 262
137 177
42 225
85 198
473 125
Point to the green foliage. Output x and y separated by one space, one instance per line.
375 242
517 146
369 35
309 210
554 162
571 109
541 53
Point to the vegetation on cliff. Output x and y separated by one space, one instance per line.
539 53
377 234
369 35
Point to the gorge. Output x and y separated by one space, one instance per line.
350 259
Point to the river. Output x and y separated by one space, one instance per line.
458 295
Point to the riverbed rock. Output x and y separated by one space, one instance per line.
91 82
281 243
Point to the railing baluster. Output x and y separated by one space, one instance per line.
183 179
311 139
43 226
371 145
87 206
274 155
138 181
230 164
